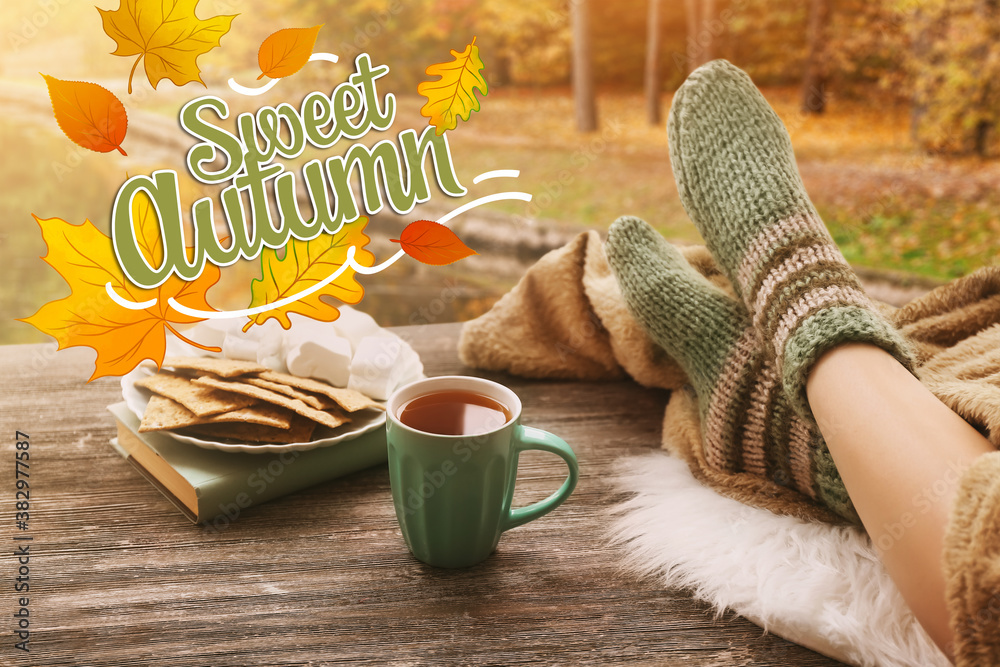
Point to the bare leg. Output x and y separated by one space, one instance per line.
900 452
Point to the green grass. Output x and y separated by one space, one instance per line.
887 204
945 240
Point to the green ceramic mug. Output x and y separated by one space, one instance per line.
453 493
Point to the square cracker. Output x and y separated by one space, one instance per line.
261 414
200 400
291 392
350 400
164 414
300 431
226 368
330 419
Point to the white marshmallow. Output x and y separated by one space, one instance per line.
236 347
258 331
298 363
355 326
377 366
412 367
212 333
269 343
275 363
306 329
269 351
330 359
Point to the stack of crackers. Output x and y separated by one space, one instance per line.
229 399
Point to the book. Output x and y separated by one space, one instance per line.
212 486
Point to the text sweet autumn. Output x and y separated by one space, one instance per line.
351 111
129 290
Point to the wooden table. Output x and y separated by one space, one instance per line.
120 577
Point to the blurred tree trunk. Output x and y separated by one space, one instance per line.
501 66
814 83
987 10
653 63
700 46
584 100
709 17
954 60
921 42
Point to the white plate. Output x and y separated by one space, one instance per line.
136 398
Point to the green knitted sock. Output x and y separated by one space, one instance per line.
747 422
737 178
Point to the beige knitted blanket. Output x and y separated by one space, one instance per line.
566 319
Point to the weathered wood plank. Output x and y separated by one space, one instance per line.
119 577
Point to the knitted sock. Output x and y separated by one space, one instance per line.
747 422
738 181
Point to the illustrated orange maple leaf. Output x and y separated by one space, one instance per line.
304 264
88 317
167 33
453 95
431 242
90 115
286 52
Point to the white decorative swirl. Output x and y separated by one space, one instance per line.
124 303
496 173
243 90
348 263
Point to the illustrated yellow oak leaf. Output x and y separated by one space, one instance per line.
304 264
88 317
453 95
167 34
286 52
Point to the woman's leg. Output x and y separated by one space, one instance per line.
900 452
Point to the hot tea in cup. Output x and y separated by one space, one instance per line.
454 443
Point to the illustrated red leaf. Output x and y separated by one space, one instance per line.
90 115
432 243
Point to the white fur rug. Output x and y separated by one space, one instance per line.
816 585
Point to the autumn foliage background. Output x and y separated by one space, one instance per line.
901 162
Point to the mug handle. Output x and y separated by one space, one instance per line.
525 438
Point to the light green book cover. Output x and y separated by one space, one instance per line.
208 484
